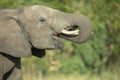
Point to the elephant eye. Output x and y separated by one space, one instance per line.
42 19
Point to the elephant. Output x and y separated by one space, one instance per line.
30 30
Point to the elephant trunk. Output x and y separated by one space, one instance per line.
83 24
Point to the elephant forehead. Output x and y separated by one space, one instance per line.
36 11
43 10
35 7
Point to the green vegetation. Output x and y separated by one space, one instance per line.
100 54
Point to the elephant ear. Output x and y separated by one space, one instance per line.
12 39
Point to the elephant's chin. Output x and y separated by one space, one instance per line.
57 42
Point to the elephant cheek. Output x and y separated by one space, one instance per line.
46 43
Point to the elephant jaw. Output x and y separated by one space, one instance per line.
70 31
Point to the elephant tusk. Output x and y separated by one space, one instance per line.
72 33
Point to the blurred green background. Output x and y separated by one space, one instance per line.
96 59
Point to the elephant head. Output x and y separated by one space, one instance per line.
35 28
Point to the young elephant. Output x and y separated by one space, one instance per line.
32 29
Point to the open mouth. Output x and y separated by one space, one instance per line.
70 30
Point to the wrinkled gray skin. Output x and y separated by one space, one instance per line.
30 30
